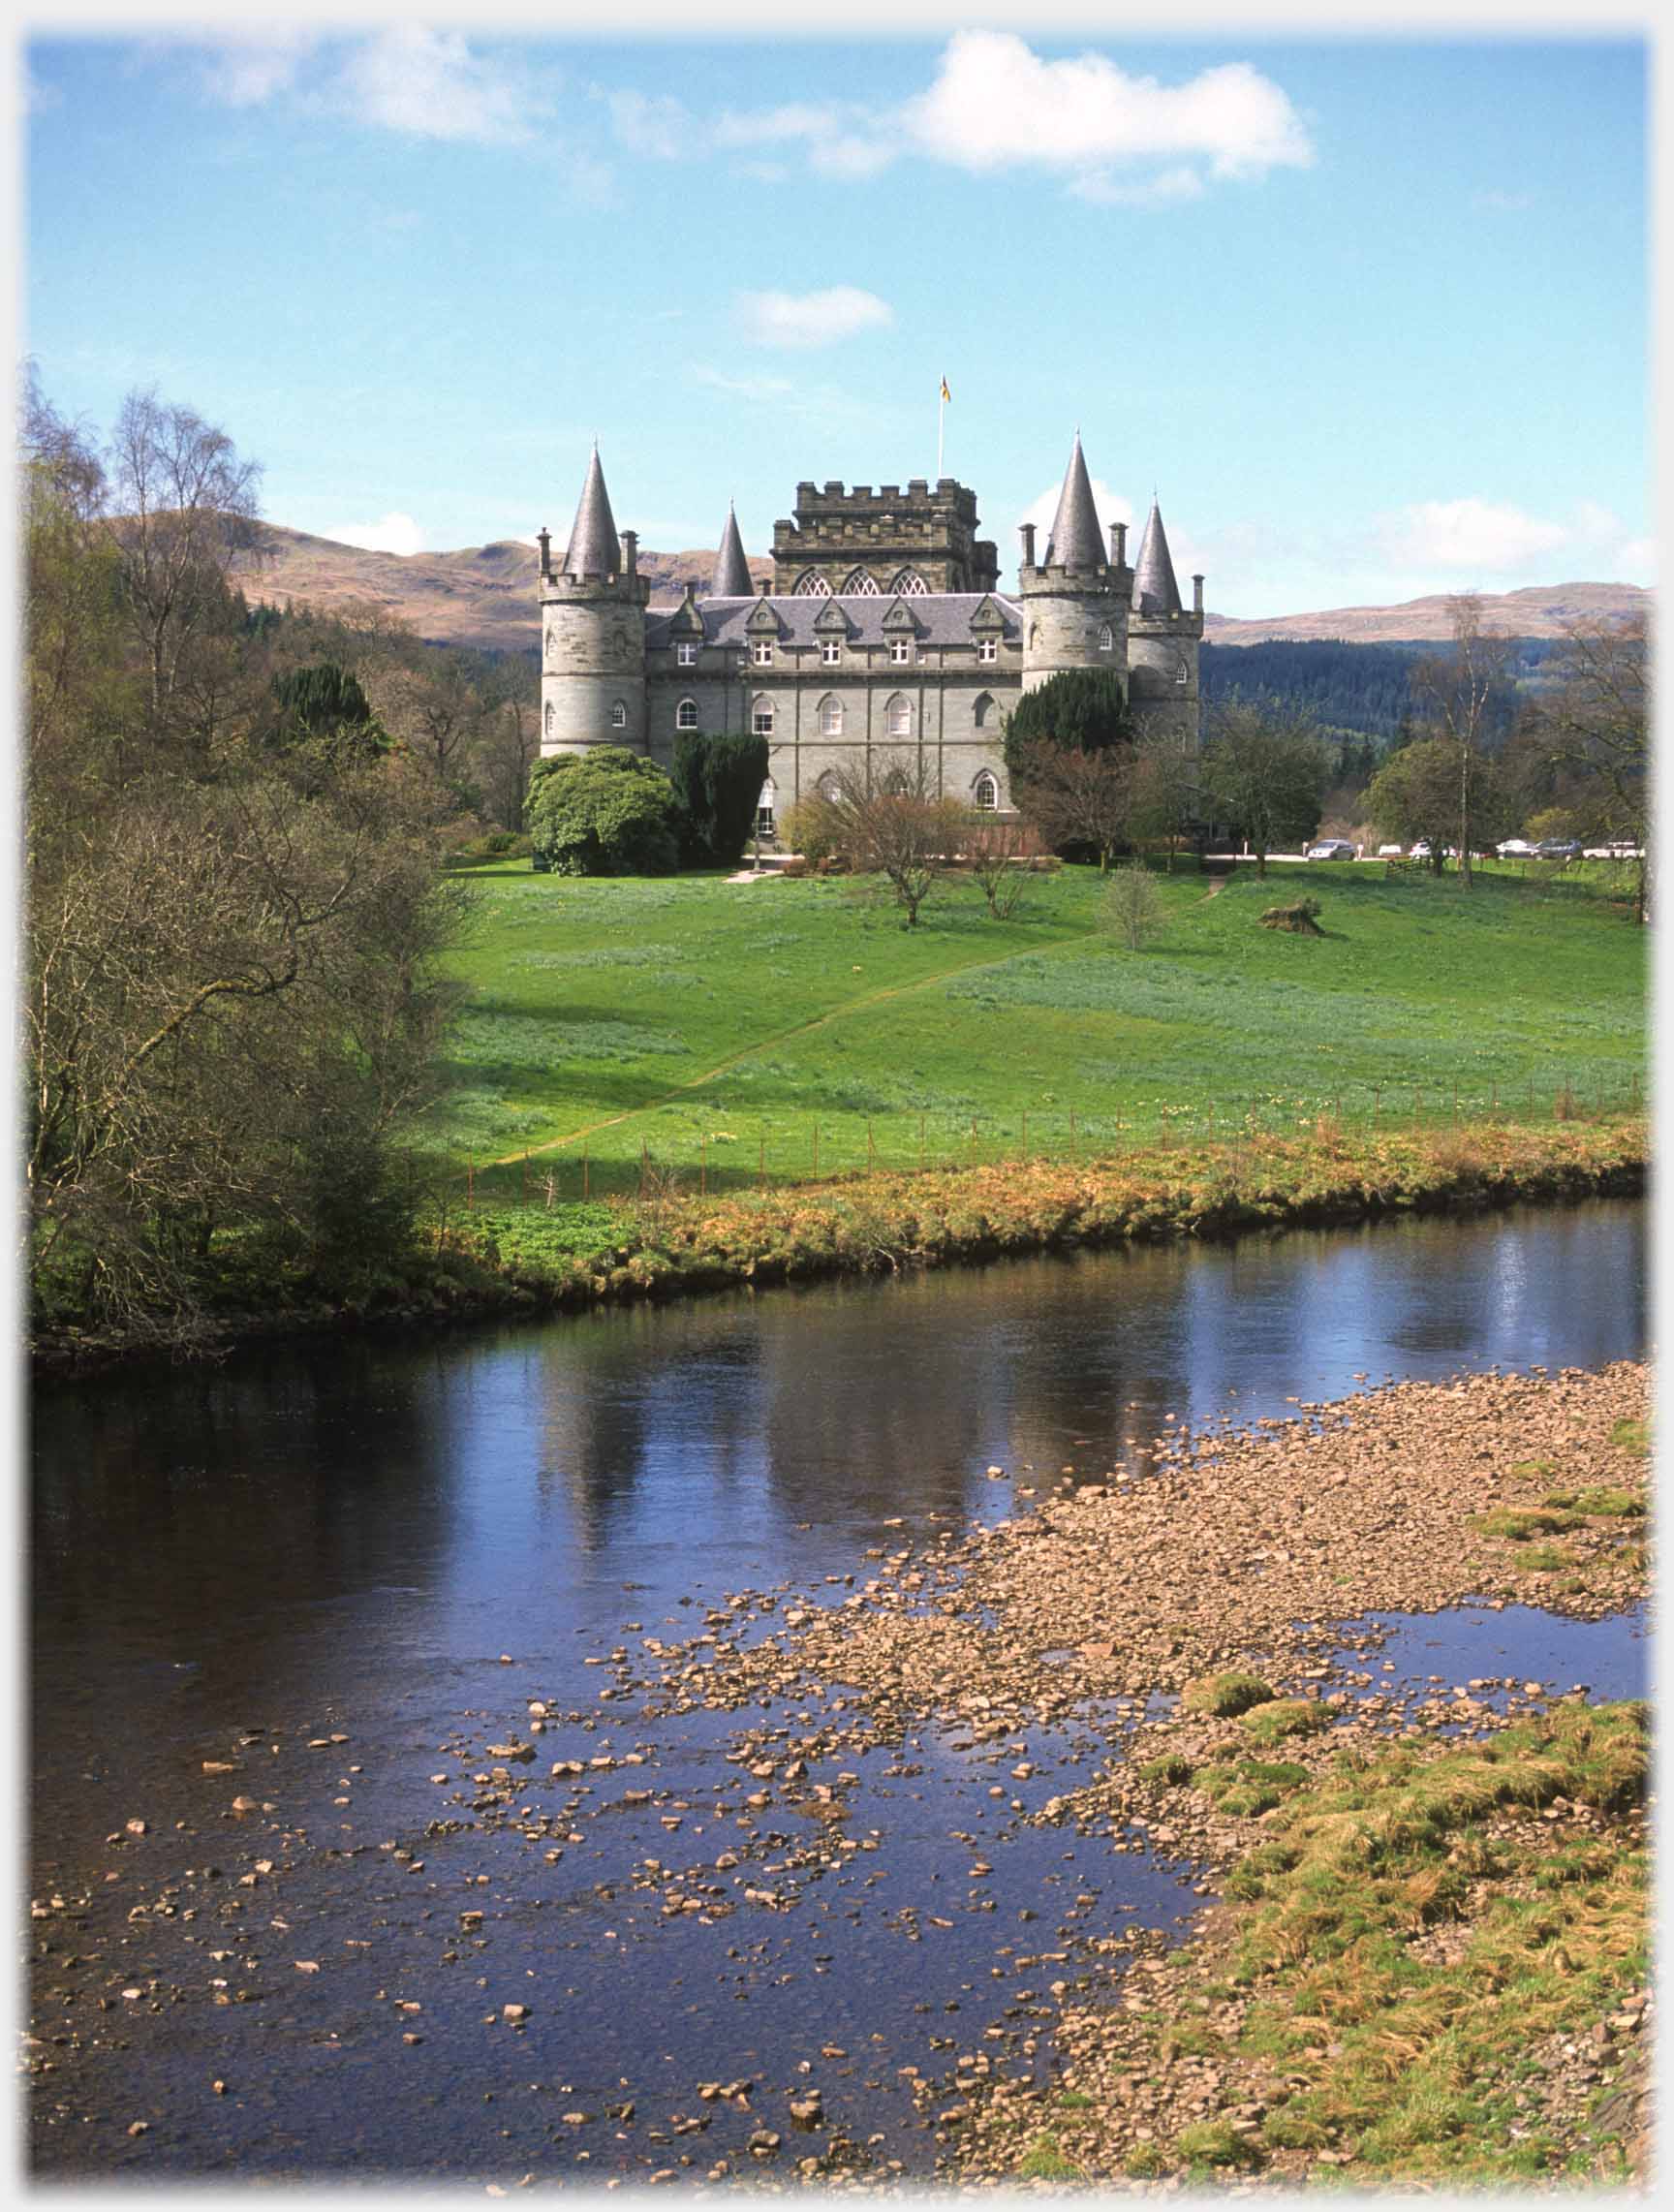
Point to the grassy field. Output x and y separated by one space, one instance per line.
795 1030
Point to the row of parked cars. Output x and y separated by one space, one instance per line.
1514 848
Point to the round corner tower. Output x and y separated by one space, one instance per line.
593 633
1076 601
1163 639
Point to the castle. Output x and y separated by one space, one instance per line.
881 633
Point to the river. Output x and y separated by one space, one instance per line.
333 1569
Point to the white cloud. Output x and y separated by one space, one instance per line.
429 85
389 534
1111 506
811 317
657 129
994 104
1635 561
246 68
1470 535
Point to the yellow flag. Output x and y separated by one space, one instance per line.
945 394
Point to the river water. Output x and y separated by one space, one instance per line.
337 1570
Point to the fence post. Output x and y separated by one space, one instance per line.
523 1179
1376 1101
816 1148
920 1144
704 1164
586 1172
470 1186
644 1164
870 1155
761 1162
1025 1135
1073 1153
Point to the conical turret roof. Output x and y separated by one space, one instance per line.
1154 591
594 550
731 578
1075 540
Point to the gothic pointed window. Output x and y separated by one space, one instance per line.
900 717
831 785
985 794
551 718
859 584
619 714
1181 674
830 717
908 581
982 710
811 584
1106 638
895 783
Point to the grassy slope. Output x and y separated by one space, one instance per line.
599 1008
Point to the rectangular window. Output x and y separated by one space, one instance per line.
987 649
830 651
900 648
761 652
761 722
685 656
763 822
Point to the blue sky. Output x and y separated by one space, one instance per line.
1369 314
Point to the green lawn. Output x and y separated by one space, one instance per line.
723 1026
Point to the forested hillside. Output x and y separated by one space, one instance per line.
1365 688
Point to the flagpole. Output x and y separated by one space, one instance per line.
941 411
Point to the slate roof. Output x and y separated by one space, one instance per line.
595 550
1154 591
731 578
943 618
1075 539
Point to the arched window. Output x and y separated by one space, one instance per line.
811 584
895 783
1181 673
985 794
551 641
1033 636
619 715
761 716
1106 638
551 718
908 581
830 717
764 807
831 785
859 584
686 714
900 717
982 710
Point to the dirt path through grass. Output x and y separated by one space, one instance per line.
781 1035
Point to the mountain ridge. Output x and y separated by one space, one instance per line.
484 595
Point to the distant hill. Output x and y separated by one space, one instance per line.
1539 610
484 595
481 596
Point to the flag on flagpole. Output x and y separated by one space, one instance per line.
945 394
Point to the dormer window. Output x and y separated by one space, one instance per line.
685 656
830 651
900 648
761 652
987 648
686 714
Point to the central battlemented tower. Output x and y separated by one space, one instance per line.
887 540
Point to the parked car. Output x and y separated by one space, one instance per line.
1331 849
1558 849
1390 852
1420 851
1515 848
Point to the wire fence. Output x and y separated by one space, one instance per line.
721 1161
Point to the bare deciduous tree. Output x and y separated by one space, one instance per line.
1459 687
1078 798
894 825
1594 721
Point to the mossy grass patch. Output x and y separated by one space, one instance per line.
1517 1524
1223 1697
1283 1717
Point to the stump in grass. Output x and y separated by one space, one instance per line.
1298 918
